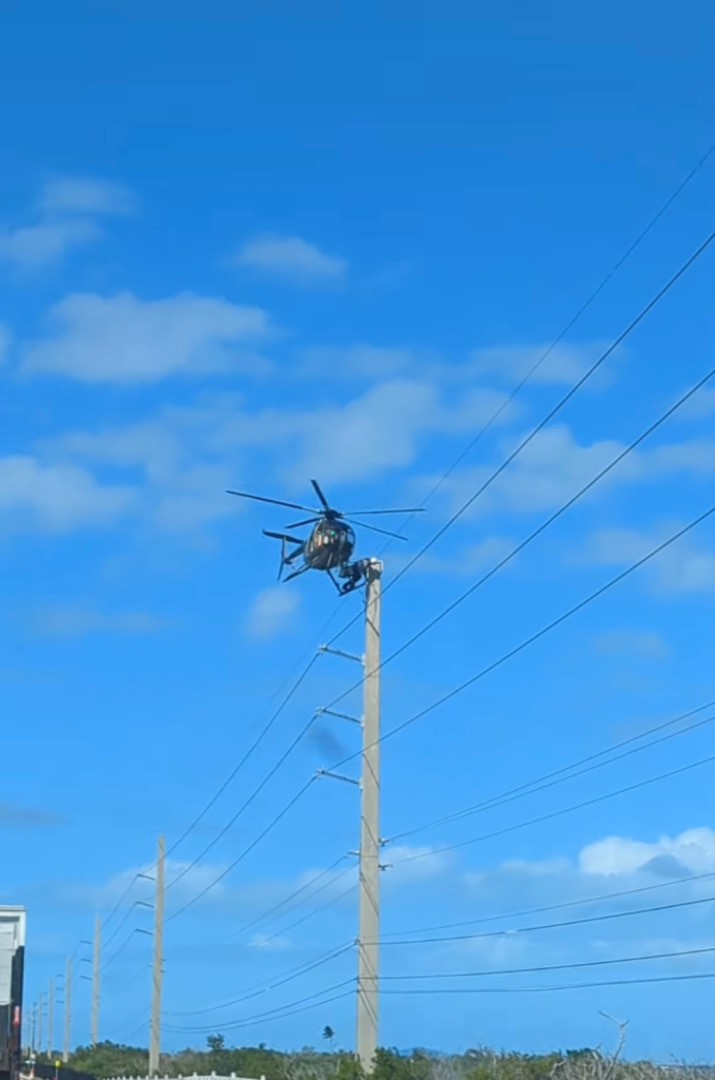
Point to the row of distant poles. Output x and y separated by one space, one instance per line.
369 883
37 1032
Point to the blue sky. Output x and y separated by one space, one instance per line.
247 247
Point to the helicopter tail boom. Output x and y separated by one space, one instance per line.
284 538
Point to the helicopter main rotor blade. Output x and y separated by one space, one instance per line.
409 510
276 502
282 536
299 524
374 528
319 493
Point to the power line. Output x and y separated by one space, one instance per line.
289 977
316 911
644 311
540 633
559 813
557 777
561 510
469 682
254 794
271 825
530 373
586 921
541 968
232 775
278 1013
564 986
555 907
297 892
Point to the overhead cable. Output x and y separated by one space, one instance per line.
541 968
246 851
458 514
560 812
599 899
563 986
274 984
566 773
539 634
586 921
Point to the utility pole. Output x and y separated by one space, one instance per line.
40 1019
155 1046
50 1018
95 980
68 1010
369 923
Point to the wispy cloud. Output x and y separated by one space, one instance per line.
5 341
273 611
122 339
683 567
32 246
26 817
563 365
56 497
693 850
66 217
628 643
72 622
292 258
85 195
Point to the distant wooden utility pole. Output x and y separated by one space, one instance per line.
50 1017
155 1044
95 980
68 1011
40 1019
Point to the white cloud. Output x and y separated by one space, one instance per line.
293 258
132 884
5 342
32 246
565 364
645 643
122 339
680 568
554 466
190 455
78 621
693 850
273 611
85 195
65 219
408 863
548 471
468 560
381 429
269 943
368 361
56 498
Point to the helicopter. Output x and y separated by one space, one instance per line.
331 542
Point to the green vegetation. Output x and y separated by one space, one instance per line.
109 1060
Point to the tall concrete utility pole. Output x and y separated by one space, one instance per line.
95 980
155 1045
68 1011
369 924
50 1017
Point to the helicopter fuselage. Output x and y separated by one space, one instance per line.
329 546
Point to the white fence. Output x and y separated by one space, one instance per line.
213 1076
